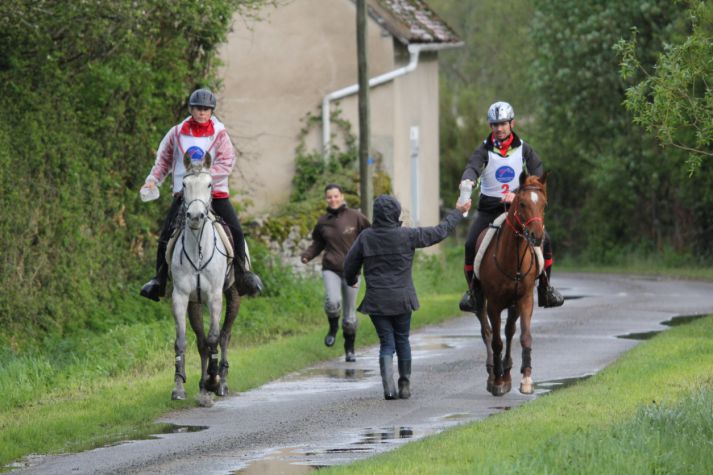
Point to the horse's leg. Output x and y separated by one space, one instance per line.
232 305
215 305
179 304
525 308
510 326
487 335
195 316
497 345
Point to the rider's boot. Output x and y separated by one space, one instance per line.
548 296
248 283
472 299
404 379
349 355
331 336
386 365
156 287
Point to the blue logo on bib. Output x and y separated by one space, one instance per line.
196 153
504 174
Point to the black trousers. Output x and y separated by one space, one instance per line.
221 207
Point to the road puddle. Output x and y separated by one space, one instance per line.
278 462
385 435
176 429
554 384
352 374
673 322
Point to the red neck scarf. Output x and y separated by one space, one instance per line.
196 129
504 146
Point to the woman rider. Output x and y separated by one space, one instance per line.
197 135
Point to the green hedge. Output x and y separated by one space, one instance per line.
87 90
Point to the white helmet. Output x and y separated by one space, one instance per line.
500 112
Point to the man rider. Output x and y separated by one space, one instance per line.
498 162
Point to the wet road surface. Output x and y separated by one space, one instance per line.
334 412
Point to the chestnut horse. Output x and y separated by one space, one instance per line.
508 272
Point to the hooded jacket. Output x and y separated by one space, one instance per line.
386 251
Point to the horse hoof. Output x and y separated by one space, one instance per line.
204 399
498 390
507 387
489 387
222 390
177 395
526 386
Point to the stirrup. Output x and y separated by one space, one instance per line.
151 290
249 284
548 297
466 303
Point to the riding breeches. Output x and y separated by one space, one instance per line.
339 294
223 208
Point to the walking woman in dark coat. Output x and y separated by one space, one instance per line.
386 251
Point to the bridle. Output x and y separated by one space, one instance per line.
522 231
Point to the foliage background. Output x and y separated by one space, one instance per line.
621 117
87 90
614 190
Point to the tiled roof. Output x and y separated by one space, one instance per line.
412 21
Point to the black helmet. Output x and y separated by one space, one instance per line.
202 97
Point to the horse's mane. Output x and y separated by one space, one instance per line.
534 182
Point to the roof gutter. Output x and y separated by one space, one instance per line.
414 50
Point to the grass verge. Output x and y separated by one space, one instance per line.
650 412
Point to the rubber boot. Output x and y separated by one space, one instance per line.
386 365
404 379
548 296
349 355
332 333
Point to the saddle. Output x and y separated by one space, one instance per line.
223 231
487 236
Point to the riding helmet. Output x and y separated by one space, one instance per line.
202 97
500 112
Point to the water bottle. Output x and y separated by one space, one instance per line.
466 188
149 194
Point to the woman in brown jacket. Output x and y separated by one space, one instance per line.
334 234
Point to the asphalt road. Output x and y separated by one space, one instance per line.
334 413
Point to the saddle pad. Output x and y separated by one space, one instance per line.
492 229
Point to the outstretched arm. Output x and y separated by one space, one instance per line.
428 236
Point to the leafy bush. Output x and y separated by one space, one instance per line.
88 89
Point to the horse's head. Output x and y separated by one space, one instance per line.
528 208
197 188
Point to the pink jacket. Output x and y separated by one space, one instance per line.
169 157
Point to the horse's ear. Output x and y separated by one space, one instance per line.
187 161
207 160
523 177
543 178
